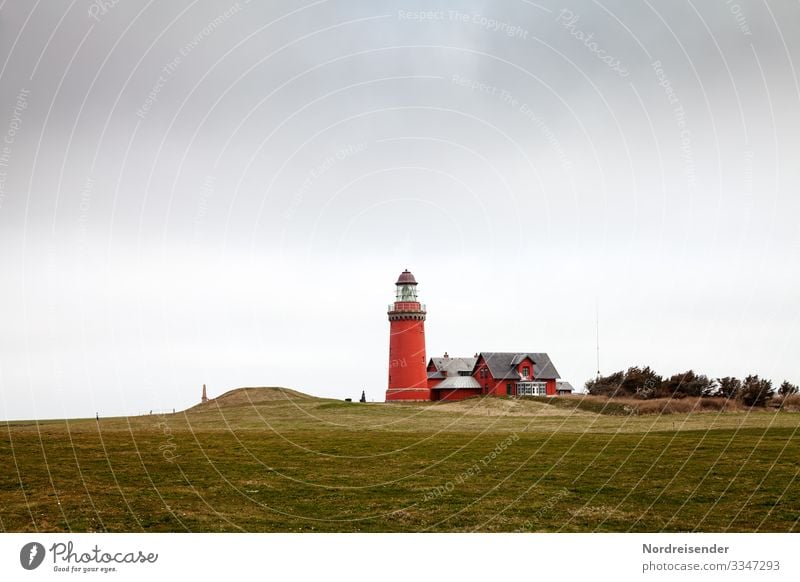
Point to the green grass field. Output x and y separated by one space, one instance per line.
263 459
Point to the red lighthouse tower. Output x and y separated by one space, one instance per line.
408 375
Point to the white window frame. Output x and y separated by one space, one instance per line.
531 388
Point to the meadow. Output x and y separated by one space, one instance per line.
276 460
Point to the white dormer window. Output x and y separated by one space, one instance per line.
526 372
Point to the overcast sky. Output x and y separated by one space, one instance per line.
202 192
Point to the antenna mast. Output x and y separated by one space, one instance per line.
597 331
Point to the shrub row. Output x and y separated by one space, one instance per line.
645 384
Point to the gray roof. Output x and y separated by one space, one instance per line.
453 382
564 386
446 367
502 365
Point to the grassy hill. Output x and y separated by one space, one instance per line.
274 459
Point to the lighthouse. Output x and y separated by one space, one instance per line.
408 376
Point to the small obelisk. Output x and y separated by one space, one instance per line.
204 398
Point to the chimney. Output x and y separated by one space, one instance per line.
204 398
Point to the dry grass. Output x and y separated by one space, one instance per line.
789 403
687 405
501 407
692 405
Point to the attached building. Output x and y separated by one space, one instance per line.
494 374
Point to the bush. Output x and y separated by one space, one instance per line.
687 384
640 382
755 391
606 385
787 389
644 384
728 387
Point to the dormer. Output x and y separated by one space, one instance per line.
525 369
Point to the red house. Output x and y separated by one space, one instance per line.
493 374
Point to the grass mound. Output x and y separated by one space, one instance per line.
251 396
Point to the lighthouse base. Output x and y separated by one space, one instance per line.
408 395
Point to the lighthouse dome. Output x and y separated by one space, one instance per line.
406 278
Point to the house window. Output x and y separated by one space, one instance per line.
509 389
486 388
532 389
526 372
